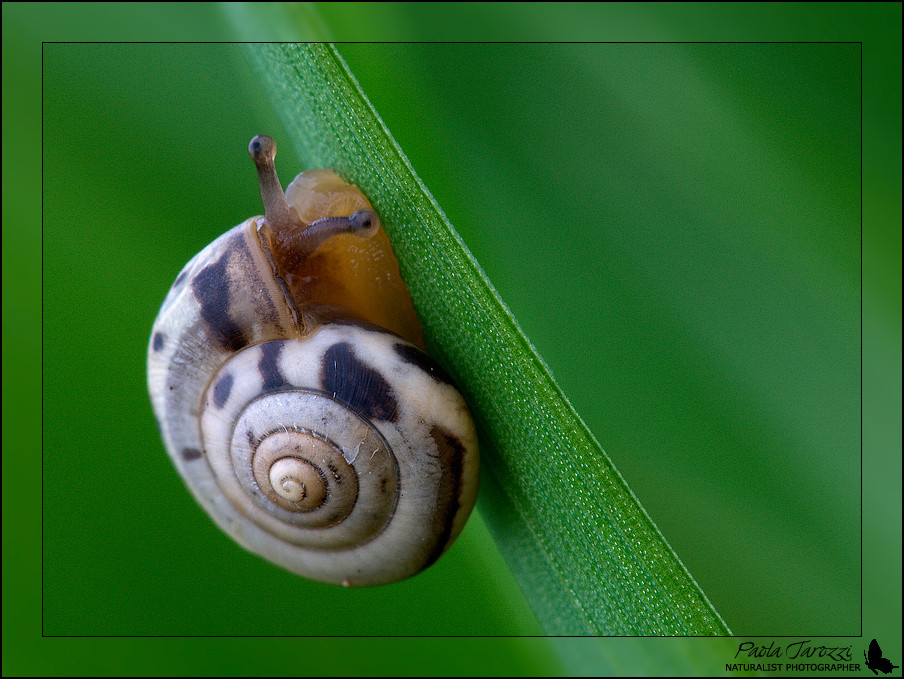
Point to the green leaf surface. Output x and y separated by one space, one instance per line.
675 223
584 551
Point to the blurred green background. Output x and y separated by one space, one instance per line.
677 227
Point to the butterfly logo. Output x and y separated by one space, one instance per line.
875 661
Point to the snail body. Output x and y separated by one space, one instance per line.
288 377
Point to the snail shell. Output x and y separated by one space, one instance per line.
288 378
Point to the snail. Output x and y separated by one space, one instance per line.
293 393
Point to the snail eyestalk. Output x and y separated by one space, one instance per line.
276 210
363 223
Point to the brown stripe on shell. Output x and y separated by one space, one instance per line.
189 454
269 367
222 389
359 386
211 288
159 341
416 357
451 453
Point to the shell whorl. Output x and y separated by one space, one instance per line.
340 452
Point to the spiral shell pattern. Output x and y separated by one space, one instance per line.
346 455
311 442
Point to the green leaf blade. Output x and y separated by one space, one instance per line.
586 554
